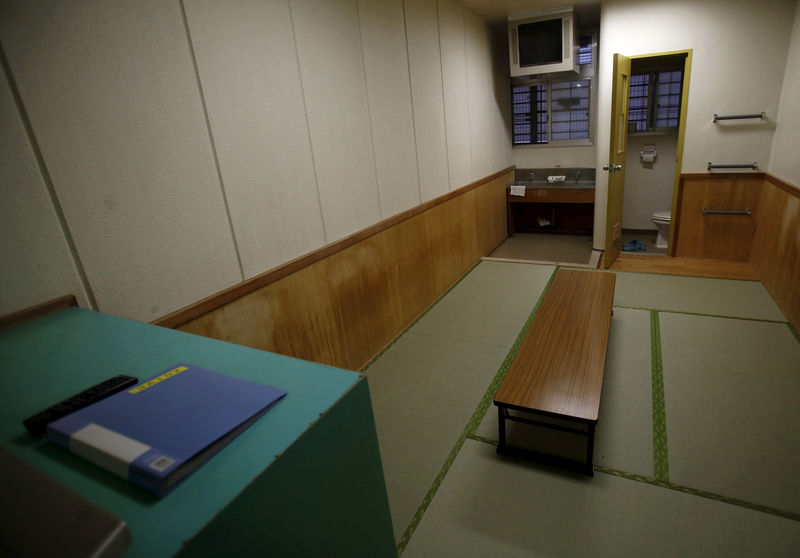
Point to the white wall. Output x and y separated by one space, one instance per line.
113 102
648 186
739 60
37 261
452 42
247 63
784 160
489 97
545 157
193 145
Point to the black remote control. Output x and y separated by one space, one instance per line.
37 424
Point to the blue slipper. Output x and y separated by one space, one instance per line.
634 246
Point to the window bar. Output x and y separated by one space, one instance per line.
760 116
753 166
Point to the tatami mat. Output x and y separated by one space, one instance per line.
491 506
732 397
489 306
624 436
723 482
699 295
424 391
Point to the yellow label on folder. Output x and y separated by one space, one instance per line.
161 378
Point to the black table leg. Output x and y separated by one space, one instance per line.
590 448
501 421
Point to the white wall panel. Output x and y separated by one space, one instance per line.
500 102
456 92
251 82
332 71
479 76
738 61
37 264
784 161
531 157
383 39
426 90
113 101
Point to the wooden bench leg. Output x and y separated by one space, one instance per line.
501 421
590 448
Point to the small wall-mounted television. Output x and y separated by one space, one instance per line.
541 42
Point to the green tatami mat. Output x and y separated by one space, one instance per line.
424 391
696 295
489 305
491 506
732 398
624 437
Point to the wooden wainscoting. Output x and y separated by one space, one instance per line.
776 248
719 237
27 314
768 240
344 303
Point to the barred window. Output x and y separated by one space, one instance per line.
655 100
552 111
530 114
570 110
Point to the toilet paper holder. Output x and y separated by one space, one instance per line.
648 153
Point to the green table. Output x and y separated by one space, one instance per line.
305 480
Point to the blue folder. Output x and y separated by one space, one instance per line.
156 433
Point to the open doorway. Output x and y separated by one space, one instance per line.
651 154
649 128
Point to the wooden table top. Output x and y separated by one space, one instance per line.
559 367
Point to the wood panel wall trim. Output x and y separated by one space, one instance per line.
710 175
38 311
217 300
774 256
721 237
783 185
776 247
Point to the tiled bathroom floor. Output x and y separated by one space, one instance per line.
648 238
557 248
567 248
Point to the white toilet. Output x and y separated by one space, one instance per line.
662 220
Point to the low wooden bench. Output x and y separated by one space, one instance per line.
558 370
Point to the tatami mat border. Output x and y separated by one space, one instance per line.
794 332
660 453
685 276
702 493
677 487
664 311
474 421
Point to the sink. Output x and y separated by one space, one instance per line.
566 185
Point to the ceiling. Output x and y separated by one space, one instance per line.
498 10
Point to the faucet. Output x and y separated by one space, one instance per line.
577 174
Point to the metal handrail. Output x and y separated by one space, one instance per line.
725 212
753 166
760 116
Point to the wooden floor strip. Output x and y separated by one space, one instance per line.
692 267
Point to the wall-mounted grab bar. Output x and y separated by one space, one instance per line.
760 116
725 212
753 166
